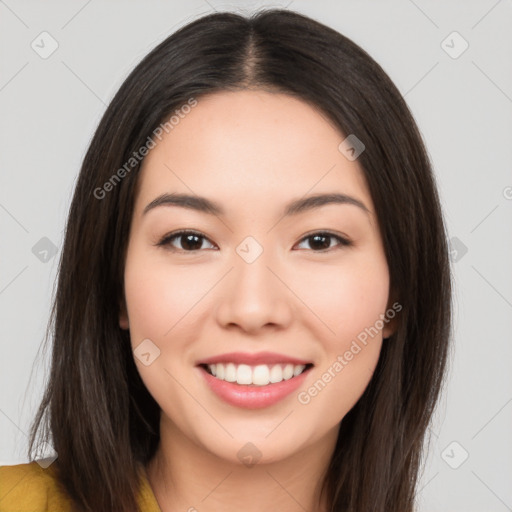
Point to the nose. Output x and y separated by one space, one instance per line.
255 295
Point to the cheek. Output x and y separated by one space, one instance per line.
159 301
159 295
350 300
347 298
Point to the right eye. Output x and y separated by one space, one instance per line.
191 241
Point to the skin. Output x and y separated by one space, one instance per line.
252 152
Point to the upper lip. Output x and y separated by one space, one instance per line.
253 359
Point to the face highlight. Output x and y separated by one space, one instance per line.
253 265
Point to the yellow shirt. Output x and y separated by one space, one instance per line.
30 488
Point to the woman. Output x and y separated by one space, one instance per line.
253 305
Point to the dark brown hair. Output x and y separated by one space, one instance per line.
96 411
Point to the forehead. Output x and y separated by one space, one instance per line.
250 147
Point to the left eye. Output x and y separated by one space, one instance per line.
319 240
192 241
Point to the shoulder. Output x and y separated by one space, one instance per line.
31 488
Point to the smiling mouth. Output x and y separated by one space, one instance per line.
257 375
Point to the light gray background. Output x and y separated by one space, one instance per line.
50 108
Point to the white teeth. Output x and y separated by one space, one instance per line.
276 374
243 374
288 372
297 370
259 375
230 374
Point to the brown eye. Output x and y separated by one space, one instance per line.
190 241
321 241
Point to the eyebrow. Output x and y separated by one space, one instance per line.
295 207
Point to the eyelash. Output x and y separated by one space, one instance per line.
166 240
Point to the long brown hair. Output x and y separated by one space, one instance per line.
96 411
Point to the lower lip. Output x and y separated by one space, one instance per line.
252 396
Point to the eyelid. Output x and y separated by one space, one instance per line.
334 234
165 240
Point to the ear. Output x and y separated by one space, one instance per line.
392 317
123 315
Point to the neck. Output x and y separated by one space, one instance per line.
185 476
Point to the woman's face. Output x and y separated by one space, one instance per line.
262 290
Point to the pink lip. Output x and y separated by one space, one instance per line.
253 359
252 396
